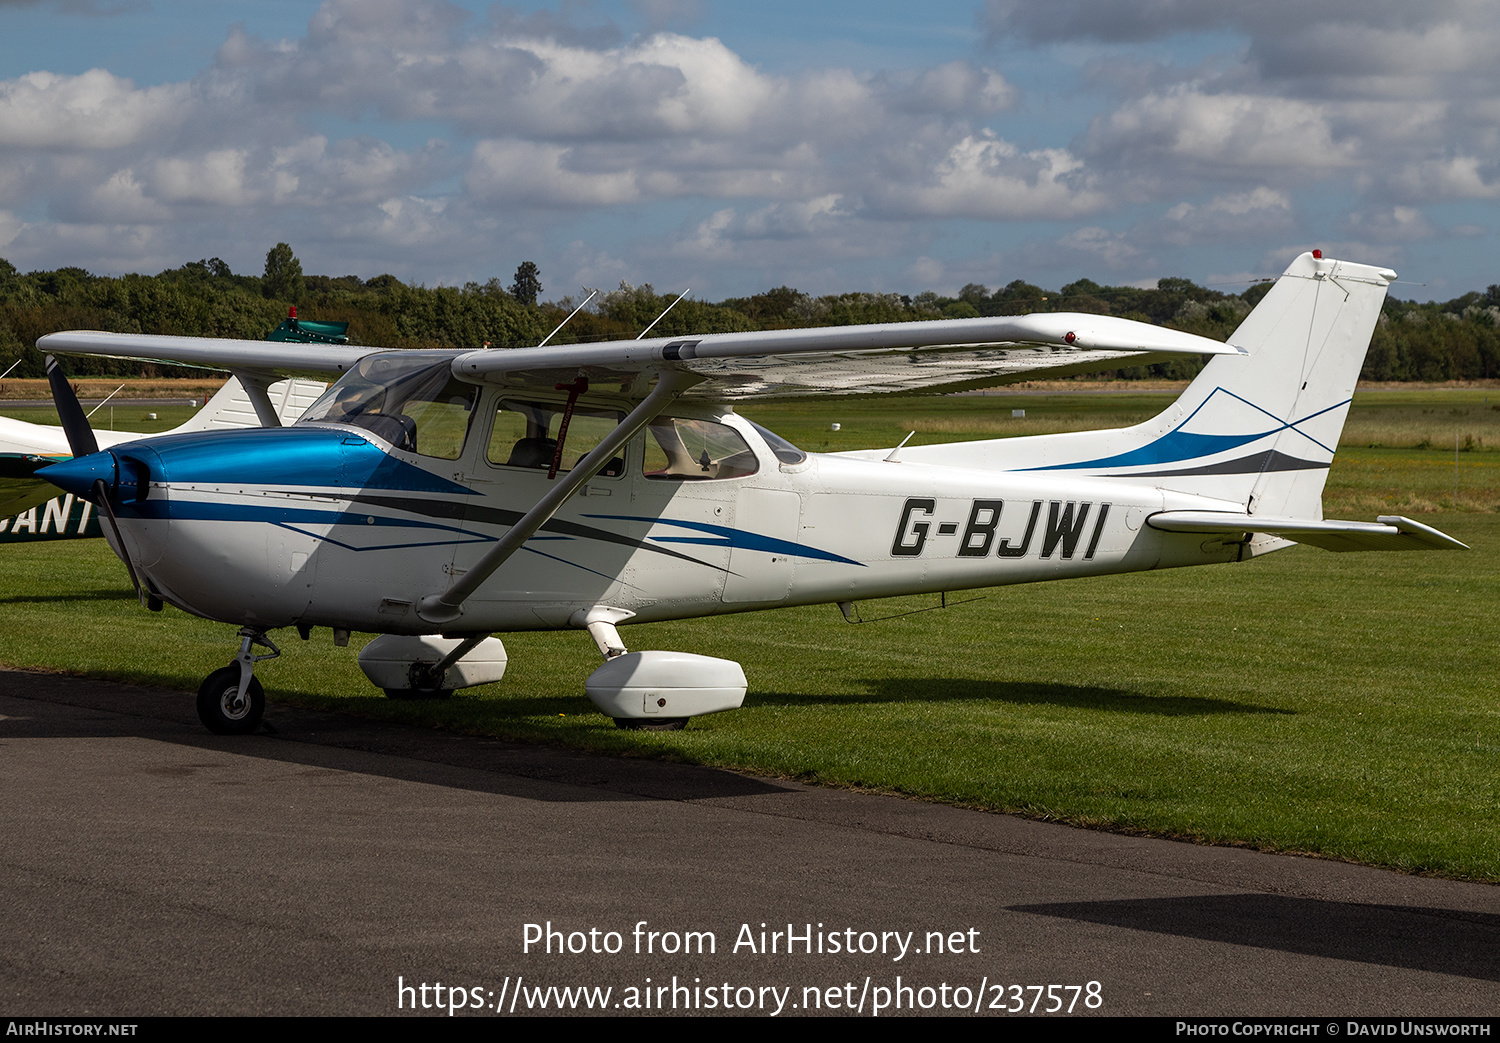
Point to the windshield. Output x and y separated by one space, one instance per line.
409 399
783 450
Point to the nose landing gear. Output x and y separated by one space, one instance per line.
231 701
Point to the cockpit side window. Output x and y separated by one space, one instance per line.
525 435
680 449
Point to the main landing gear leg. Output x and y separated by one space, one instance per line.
231 701
601 622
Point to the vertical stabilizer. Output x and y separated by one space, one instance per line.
1266 425
1258 429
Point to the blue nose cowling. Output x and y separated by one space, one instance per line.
79 474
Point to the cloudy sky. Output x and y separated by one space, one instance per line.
731 147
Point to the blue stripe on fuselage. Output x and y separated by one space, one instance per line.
287 456
722 536
1178 445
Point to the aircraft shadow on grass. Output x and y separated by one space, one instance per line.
941 690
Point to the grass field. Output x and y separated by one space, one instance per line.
1343 705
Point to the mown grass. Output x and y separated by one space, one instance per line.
1342 705
122 417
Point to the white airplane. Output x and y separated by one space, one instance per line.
439 497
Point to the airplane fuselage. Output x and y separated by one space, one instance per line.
329 525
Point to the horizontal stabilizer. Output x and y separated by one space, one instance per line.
1389 532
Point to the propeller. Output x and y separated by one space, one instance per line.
86 466
74 423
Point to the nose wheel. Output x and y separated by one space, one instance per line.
231 701
223 709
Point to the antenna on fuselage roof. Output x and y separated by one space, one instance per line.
572 313
663 314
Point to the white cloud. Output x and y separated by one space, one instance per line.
1133 20
982 176
1444 178
531 123
591 268
927 273
1397 224
94 110
1228 131
1109 247
512 171
1255 215
216 177
957 87
122 199
10 227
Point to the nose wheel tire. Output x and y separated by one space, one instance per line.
220 707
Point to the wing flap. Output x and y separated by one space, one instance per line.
1389 532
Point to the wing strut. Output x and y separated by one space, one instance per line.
446 607
255 386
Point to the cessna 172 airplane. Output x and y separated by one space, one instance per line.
437 497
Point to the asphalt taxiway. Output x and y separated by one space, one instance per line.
337 866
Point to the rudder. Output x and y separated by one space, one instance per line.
1273 418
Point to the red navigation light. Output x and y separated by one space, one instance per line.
1070 337
291 312
1317 255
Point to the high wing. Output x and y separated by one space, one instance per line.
883 358
899 357
258 356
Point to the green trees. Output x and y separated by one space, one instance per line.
283 279
527 285
1457 340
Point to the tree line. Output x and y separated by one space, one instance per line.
1453 340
